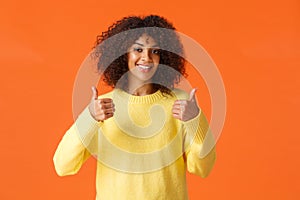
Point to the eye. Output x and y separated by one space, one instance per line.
137 49
156 51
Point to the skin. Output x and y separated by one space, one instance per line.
101 109
143 53
143 61
186 110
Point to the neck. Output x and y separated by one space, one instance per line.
144 90
139 88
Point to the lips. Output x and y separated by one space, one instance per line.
144 68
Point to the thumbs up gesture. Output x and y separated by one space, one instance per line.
185 110
101 109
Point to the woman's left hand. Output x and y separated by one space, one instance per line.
185 110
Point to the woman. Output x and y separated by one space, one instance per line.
144 133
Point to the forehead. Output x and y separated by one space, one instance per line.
146 40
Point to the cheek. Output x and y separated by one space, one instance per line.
132 56
131 60
156 59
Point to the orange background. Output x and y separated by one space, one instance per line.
255 46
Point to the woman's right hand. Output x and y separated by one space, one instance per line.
101 109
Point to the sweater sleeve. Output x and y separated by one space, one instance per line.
199 146
71 152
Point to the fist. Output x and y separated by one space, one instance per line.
101 109
185 110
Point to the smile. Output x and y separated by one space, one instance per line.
144 68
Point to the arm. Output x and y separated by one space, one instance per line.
199 142
81 139
71 152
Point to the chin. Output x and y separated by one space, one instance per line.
143 76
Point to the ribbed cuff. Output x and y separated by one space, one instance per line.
194 131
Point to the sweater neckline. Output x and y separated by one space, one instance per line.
150 98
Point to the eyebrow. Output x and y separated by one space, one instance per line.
143 45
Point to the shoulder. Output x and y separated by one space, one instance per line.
180 94
106 95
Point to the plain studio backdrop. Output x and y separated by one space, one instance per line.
255 45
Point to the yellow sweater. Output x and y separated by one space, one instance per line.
142 152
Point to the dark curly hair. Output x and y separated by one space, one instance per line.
111 45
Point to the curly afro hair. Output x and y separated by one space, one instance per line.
113 62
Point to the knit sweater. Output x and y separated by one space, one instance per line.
143 152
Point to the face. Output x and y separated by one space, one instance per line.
143 59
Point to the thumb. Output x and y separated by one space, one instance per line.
95 93
192 94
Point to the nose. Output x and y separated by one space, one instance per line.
146 55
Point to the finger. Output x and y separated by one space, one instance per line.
192 94
105 105
176 108
177 116
110 110
109 115
95 93
103 112
105 100
180 102
176 111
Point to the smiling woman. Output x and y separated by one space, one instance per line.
112 48
144 133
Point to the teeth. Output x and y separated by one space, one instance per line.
144 67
